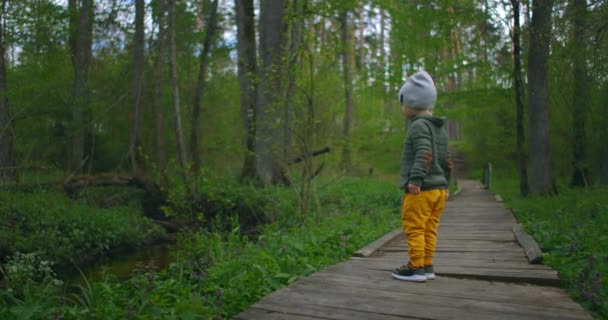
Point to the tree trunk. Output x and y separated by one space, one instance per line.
580 102
138 78
519 101
247 70
347 67
179 132
195 149
382 51
270 141
541 176
603 136
80 44
362 38
296 25
160 109
7 138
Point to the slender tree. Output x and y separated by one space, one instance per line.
361 30
580 103
195 149
175 101
7 160
347 44
295 24
270 122
603 134
138 79
81 29
541 176
519 100
161 147
247 71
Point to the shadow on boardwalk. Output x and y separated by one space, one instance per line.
482 273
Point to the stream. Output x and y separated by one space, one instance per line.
125 266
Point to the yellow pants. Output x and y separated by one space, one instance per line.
420 219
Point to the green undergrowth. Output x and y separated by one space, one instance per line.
217 274
54 227
572 231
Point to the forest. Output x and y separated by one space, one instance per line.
184 158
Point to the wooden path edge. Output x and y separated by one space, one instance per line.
369 249
533 252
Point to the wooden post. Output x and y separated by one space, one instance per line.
489 182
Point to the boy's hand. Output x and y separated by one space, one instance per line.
413 189
447 195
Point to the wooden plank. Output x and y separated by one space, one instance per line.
439 261
494 273
474 243
319 311
412 305
457 249
255 314
531 248
473 255
369 249
451 287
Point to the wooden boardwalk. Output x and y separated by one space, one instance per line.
482 273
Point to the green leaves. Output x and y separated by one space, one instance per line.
217 273
64 230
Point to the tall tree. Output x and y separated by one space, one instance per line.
195 149
603 134
175 101
138 78
519 102
347 36
270 122
580 102
247 71
361 29
81 34
7 160
295 26
541 176
161 147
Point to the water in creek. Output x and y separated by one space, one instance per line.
125 266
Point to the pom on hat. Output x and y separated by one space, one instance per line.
419 92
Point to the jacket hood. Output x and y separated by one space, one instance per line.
437 121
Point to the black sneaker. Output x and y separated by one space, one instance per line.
408 274
429 273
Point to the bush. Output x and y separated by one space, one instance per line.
221 198
62 230
219 274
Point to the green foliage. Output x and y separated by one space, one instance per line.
572 230
62 230
220 198
219 274
490 112
24 268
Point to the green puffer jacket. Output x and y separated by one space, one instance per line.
426 161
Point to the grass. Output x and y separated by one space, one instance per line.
219 274
572 230
60 229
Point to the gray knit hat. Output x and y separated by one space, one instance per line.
419 91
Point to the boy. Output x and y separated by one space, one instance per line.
425 171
